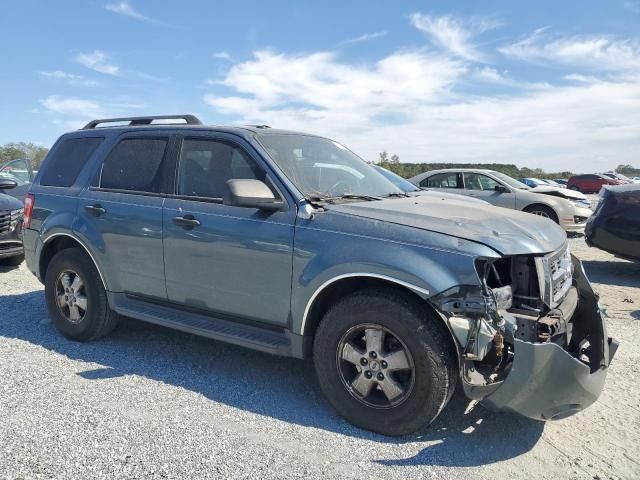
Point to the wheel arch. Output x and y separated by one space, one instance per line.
58 242
533 205
341 286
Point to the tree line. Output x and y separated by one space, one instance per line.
408 170
30 151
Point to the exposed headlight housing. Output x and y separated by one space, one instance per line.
555 272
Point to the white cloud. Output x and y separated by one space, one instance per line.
223 56
593 52
409 103
98 61
72 106
126 9
70 78
367 36
454 35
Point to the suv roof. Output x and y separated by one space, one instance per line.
190 122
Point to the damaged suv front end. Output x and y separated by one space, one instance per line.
531 335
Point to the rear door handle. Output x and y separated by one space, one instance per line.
96 209
186 221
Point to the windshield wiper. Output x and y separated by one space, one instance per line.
346 196
398 194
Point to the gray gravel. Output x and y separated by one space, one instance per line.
148 402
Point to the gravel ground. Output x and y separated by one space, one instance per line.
148 402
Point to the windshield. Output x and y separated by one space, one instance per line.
512 182
322 168
397 180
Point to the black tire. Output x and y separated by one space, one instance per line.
98 319
543 211
426 338
12 261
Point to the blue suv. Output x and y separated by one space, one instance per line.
290 244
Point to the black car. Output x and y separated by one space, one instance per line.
15 179
615 225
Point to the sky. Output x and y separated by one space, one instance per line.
547 84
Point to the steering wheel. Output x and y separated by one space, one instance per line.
333 189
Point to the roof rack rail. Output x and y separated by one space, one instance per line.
259 126
133 121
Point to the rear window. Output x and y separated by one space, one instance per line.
67 159
135 164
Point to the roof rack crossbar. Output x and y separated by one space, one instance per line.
133 121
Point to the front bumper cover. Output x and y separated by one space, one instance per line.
546 381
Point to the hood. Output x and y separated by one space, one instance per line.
9 203
560 192
509 232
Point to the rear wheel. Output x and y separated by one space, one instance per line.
76 298
543 211
384 361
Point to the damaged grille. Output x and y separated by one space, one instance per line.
554 275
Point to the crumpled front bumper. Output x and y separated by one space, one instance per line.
547 382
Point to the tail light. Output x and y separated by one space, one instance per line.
29 202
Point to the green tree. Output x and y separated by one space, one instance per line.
30 151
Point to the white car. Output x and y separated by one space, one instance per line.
566 207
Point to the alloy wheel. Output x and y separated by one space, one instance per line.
71 296
375 366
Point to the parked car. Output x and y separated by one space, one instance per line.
15 180
533 182
590 183
618 176
636 179
408 187
564 207
615 225
290 244
553 183
19 171
561 181
11 252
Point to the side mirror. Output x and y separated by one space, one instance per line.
250 194
501 189
7 184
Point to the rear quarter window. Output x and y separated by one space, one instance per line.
66 161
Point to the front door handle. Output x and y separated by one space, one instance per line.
186 221
96 209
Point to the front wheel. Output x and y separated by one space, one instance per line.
384 361
543 211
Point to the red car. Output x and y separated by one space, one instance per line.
590 183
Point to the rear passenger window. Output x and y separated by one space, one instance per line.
441 180
135 164
67 159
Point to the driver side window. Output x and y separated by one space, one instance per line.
206 165
477 181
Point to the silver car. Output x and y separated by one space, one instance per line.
567 208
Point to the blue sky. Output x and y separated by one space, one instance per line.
544 84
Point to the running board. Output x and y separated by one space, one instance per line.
277 342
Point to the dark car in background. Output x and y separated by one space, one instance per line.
615 225
15 180
11 251
591 183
